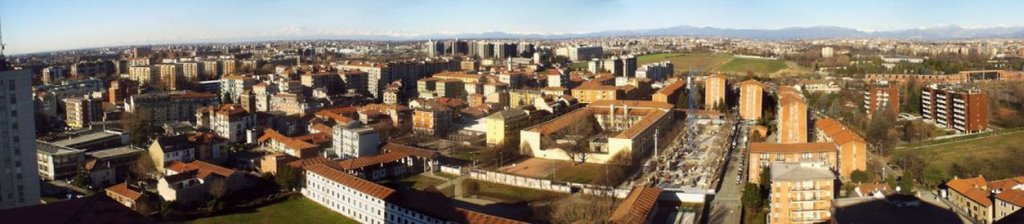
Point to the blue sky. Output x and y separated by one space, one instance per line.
44 25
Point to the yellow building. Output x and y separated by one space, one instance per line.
599 132
792 116
80 111
852 153
751 96
505 124
801 193
714 91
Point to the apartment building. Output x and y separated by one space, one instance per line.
230 121
800 193
882 96
505 124
19 186
751 99
963 110
714 92
175 106
763 155
81 111
792 116
432 120
354 142
852 148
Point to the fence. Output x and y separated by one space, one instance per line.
534 183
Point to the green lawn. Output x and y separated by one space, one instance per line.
298 210
986 155
511 194
759 66
651 58
418 182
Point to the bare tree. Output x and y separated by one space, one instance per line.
583 209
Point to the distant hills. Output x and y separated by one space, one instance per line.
949 32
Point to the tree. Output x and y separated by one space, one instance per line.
751 197
141 127
219 189
288 178
583 209
859 176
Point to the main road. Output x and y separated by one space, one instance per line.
726 206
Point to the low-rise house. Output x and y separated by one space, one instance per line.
109 166
301 146
192 181
131 197
186 148
986 201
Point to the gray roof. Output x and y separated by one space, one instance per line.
506 114
94 136
114 152
52 149
800 172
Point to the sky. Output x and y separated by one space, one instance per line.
46 25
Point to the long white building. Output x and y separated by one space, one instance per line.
371 203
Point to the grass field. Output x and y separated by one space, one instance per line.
297 210
761 66
981 155
558 170
418 182
715 63
510 194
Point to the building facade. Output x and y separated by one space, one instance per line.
800 193
751 99
19 185
963 110
714 92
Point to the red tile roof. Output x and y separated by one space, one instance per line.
123 190
972 188
414 151
637 206
360 162
304 163
204 169
364 186
1012 196
290 142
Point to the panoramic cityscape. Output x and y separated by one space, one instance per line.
462 111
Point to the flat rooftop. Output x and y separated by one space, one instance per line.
90 137
872 210
114 152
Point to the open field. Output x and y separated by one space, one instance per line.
418 182
719 63
558 170
983 155
296 210
761 66
509 194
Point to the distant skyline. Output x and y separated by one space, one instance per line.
47 25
